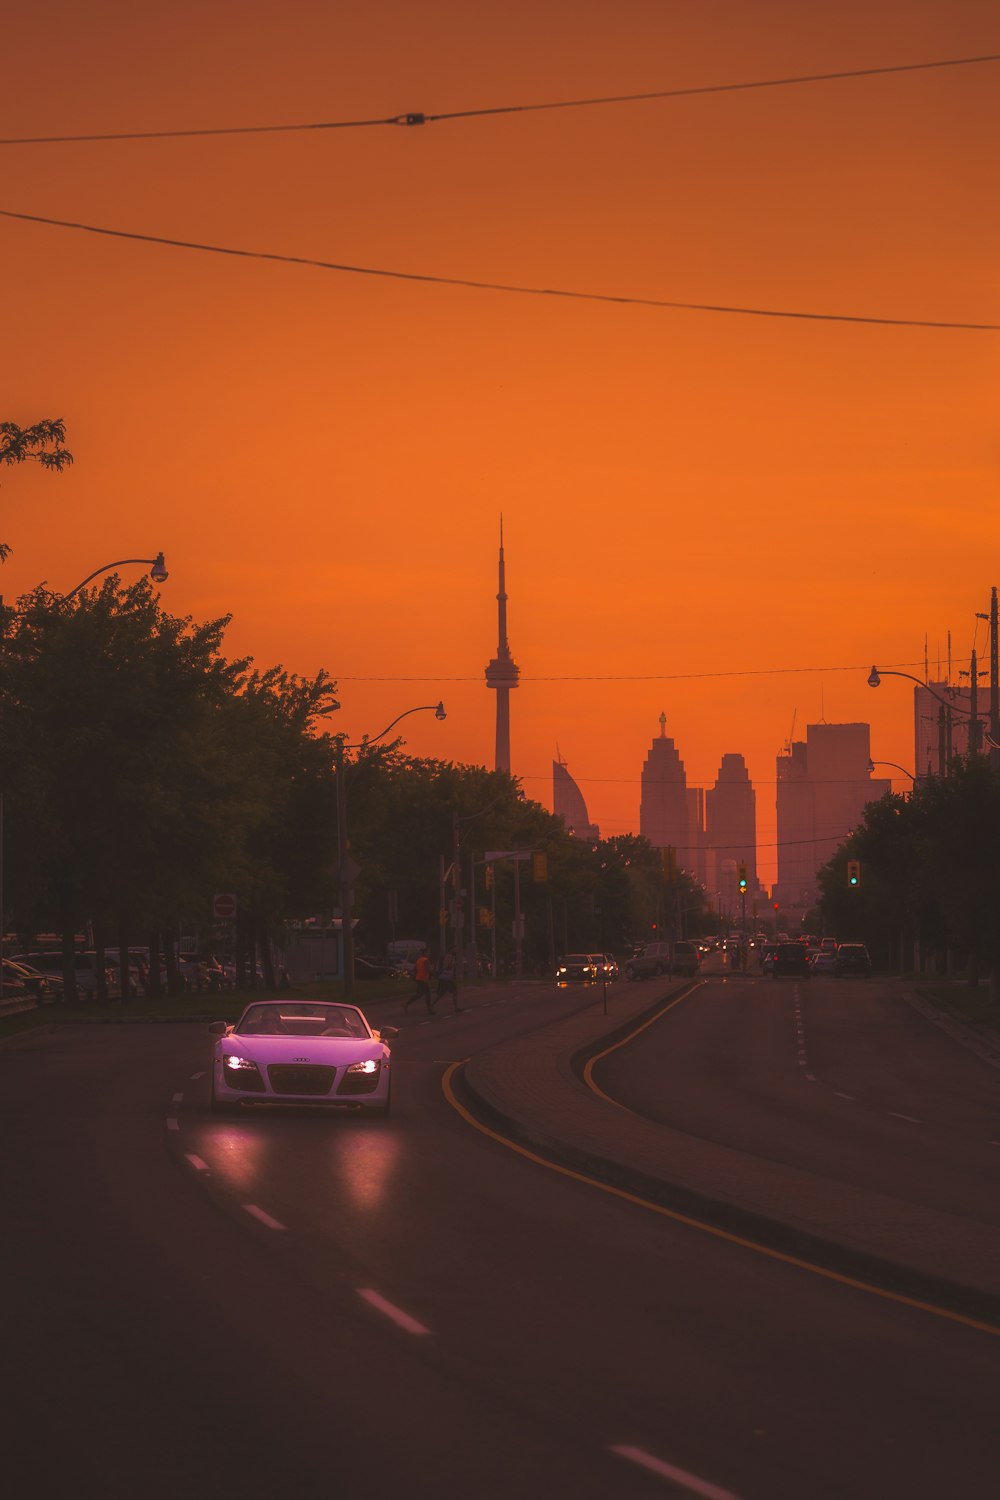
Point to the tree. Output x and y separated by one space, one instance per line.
42 444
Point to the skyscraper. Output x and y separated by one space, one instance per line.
664 816
823 788
501 674
568 803
731 831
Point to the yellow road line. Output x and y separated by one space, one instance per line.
701 1225
588 1072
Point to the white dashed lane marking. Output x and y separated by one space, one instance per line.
897 1116
690 1482
196 1162
197 1075
172 1125
396 1314
176 1098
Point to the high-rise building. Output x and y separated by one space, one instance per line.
937 735
823 787
501 674
568 803
665 817
731 832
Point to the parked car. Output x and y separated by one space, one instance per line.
84 964
852 958
579 966
44 987
791 958
301 1052
15 992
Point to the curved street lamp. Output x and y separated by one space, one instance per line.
347 870
895 764
975 724
158 572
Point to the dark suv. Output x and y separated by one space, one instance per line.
852 958
791 958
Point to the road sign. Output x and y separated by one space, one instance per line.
224 907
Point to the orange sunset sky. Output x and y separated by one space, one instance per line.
685 494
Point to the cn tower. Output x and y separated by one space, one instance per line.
502 674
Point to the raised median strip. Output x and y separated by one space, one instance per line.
531 1091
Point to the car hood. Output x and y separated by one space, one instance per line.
329 1051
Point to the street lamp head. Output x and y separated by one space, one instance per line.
874 680
871 765
439 712
158 572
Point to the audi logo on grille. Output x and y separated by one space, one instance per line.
300 1059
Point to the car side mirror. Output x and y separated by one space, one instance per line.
386 1033
218 1028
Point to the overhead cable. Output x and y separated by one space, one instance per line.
499 286
418 117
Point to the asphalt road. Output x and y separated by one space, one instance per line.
840 1077
312 1305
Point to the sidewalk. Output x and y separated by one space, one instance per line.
531 1090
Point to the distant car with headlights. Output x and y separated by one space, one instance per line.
585 967
608 966
303 1052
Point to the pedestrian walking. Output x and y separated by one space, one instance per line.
422 976
446 980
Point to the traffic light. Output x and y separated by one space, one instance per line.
776 906
485 917
489 877
540 865
743 880
853 873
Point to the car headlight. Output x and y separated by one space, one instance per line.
561 969
370 1065
237 1063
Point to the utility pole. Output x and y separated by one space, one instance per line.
518 957
974 725
994 683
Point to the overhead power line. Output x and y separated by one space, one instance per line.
497 286
644 676
418 117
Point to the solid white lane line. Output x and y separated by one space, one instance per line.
896 1116
398 1316
196 1162
176 1098
843 1096
673 1473
258 1213
810 1078
197 1075
172 1125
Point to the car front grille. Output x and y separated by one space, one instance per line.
300 1078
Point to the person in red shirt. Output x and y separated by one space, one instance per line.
422 976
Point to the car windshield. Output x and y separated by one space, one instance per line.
295 1018
578 958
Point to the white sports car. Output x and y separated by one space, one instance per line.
301 1052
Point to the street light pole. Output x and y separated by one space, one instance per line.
158 572
345 866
